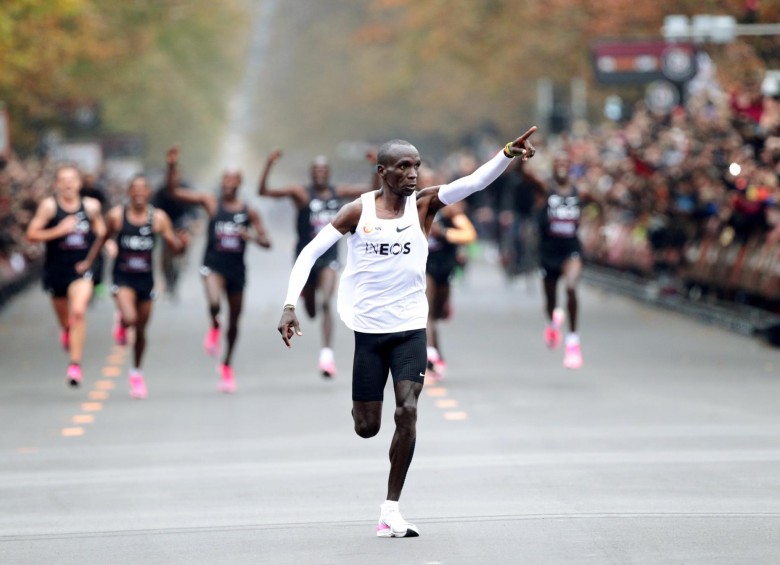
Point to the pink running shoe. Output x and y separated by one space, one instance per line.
74 374
120 332
328 368
227 382
327 363
552 336
552 333
211 343
137 385
572 358
65 339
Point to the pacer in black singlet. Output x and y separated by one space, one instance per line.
232 224
559 220
133 263
65 252
322 208
72 229
226 245
317 205
135 226
560 256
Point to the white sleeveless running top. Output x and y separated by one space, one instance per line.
382 288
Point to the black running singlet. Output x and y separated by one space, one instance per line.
135 246
226 245
63 253
561 217
318 214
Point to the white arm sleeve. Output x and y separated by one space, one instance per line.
459 189
305 261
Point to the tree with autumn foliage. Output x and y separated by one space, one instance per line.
156 67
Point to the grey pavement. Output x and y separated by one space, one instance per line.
664 448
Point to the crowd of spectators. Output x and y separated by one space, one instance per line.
656 183
661 184
23 183
710 168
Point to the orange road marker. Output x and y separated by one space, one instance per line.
437 392
455 416
83 419
447 403
111 371
91 406
26 450
72 432
105 385
97 395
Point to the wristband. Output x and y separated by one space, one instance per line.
289 307
508 151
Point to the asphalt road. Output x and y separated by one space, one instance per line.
664 448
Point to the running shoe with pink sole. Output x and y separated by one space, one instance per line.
392 525
74 375
328 368
227 380
211 343
552 337
572 358
120 332
137 386
552 332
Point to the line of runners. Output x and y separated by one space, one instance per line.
74 230
403 227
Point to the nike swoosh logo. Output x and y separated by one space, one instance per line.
422 374
399 230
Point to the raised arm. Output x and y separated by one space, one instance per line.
173 185
297 193
431 200
345 221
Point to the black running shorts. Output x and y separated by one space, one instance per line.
440 269
56 283
554 253
401 353
234 282
143 286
